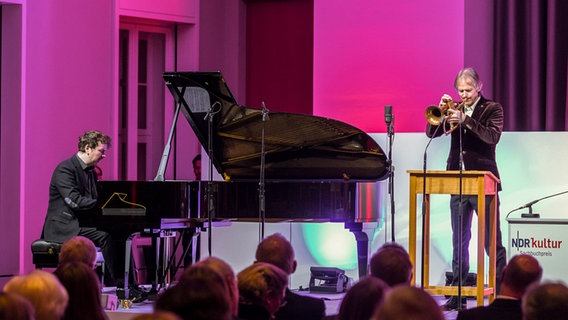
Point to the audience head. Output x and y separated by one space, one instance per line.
521 271
263 284
82 285
546 301
226 272
362 299
15 307
157 315
391 263
409 303
200 294
277 250
78 249
46 294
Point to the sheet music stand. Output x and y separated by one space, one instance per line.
480 183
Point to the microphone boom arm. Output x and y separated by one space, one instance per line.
530 204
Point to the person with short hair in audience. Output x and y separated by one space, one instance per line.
78 249
408 303
200 294
226 272
362 299
15 307
43 290
546 301
391 263
277 250
262 290
521 272
82 285
157 315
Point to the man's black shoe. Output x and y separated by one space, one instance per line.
135 293
453 304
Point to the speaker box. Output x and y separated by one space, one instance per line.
324 279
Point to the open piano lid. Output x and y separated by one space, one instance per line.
297 147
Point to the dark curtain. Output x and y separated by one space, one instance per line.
530 63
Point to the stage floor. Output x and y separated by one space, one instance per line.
332 304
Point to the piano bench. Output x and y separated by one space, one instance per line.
45 254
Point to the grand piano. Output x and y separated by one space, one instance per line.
275 166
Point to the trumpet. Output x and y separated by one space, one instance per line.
435 116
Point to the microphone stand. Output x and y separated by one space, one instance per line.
390 134
210 203
460 253
424 204
529 205
261 184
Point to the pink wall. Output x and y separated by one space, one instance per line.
166 10
280 55
367 54
222 41
68 87
69 75
10 126
373 53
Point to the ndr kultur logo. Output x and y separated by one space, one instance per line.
535 243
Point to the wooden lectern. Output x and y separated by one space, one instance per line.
480 183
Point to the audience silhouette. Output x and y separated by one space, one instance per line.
362 299
200 294
277 250
208 289
408 303
15 307
157 315
391 263
262 289
546 301
43 290
521 272
78 249
226 272
83 288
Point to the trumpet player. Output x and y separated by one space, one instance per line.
478 123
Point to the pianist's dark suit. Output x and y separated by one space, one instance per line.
301 307
72 191
500 309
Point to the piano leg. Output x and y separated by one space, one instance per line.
164 258
127 253
191 242
363 232
167 265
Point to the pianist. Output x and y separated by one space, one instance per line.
72 192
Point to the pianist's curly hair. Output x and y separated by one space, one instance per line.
92 138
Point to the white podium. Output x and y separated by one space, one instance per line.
544 239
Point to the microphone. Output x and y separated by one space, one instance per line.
530 204
388 115
265 112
